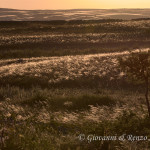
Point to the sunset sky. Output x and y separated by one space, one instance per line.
73 4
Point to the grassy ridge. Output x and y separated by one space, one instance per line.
56 49
59 38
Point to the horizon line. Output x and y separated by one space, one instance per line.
76 8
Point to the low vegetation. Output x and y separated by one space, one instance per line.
61 38
47 103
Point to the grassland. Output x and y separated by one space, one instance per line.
61 79
59 38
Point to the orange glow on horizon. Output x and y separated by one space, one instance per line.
73 4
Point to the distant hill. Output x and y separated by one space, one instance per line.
74 14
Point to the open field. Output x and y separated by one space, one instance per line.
61 79
72 14
59 38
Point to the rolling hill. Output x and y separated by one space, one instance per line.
74 14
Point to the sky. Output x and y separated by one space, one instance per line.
74 4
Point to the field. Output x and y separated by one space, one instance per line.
61 85
7 14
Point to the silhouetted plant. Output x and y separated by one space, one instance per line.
137 66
